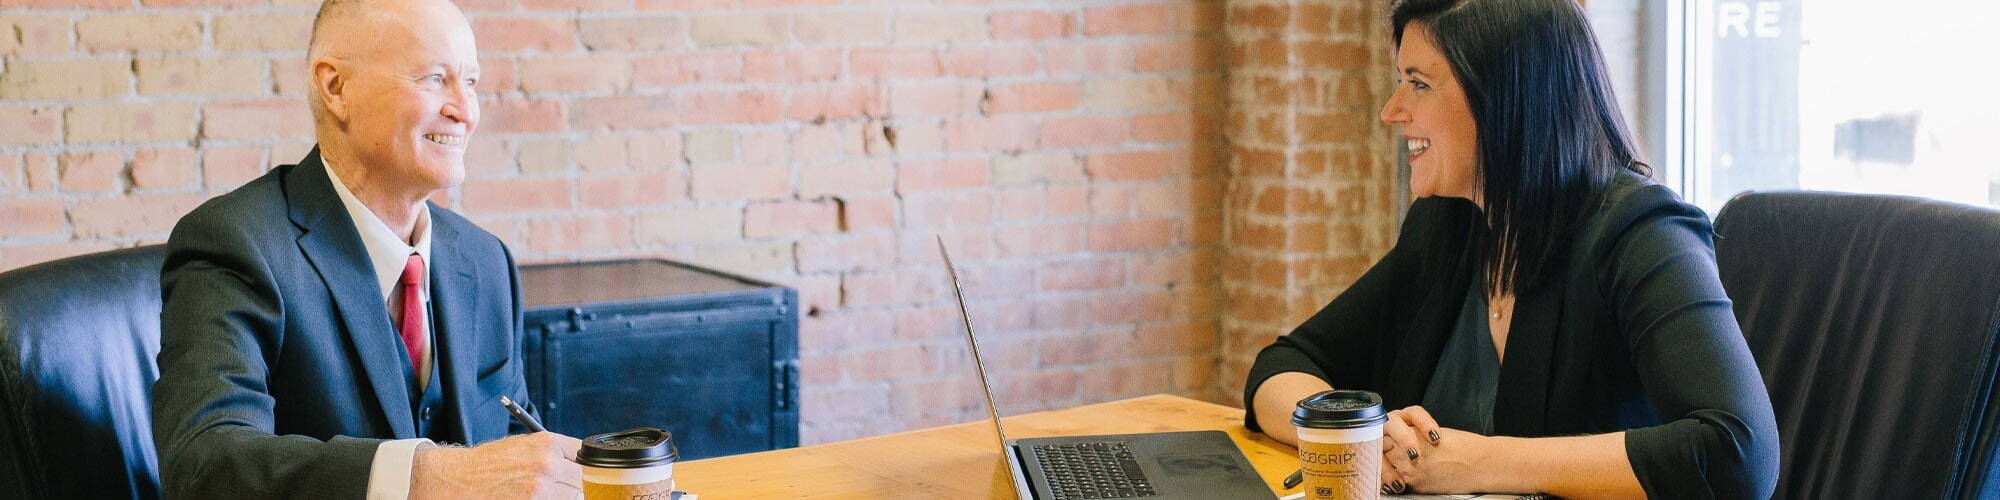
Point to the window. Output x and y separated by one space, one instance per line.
1840 95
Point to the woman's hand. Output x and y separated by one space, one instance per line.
1420 456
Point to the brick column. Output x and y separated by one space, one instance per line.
1312 189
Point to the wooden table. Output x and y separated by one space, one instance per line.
961 461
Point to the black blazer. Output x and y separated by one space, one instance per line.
1633 332
280 371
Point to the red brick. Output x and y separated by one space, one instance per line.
973 208
139 32
30 218
848 28
764 146
653 150
1023 204
225 168
920 176
864 252
575 74
1109 200
575 233
868 213
67 4
894 62
836 101
1082 131
934 98
263 31
1068 201
675 69
709 30
35 35
249 120
1010 133
1035 97
129 122
199 3
1132 235
858 177
503 116
1178 55
731 107
620 191
990 61
621 113
91 172
1144 19
791 66
694 225
741 183
1086 274
891 363
1131 307
145 214
627 33
162 168
205 76
1173 127
1134 165
66 79
495 196
39 172
1036 168
30 125
1099 58
1031 24
524 33
971 246
790 219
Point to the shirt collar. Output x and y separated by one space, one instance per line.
387 253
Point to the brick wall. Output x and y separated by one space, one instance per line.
1312 196
1072 153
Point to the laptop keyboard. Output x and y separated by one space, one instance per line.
1092 470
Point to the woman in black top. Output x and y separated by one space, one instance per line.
1549 320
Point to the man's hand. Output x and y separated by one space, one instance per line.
539 465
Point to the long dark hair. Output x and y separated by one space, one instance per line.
1551 139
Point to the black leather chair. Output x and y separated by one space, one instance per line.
78 340
1874 320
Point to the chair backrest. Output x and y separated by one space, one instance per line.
1873 319
78 339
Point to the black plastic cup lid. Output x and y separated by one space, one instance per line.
1339 409
629 449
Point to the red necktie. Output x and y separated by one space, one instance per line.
413 309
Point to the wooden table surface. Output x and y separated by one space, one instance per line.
961 461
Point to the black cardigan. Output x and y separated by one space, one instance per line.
1633 332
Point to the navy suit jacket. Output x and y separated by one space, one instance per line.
280 370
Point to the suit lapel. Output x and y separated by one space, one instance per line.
452 294
1521 401
330 242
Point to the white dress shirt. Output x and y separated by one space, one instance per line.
389 474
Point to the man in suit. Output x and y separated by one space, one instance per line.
327 331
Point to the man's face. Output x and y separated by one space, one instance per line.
410 101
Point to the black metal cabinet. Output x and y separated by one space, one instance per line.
710 356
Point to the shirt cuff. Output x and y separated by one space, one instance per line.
389 476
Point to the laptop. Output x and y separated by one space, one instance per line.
1163 465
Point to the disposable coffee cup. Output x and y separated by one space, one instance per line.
1340 444
635 464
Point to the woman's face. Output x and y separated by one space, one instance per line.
1437 123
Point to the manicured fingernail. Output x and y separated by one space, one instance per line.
1435 437
1396 486
1413 454
1385 490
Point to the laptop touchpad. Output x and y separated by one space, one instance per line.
1199 465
